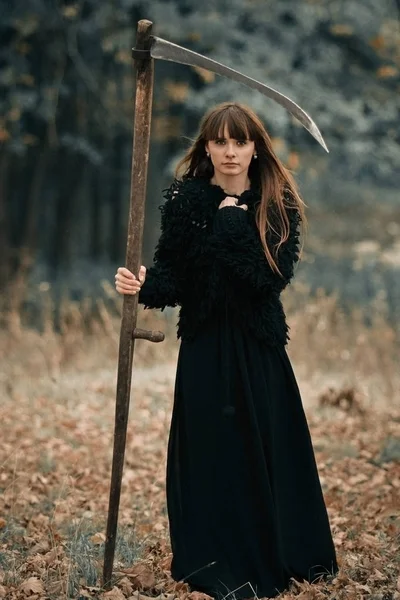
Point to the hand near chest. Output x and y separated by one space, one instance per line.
232 201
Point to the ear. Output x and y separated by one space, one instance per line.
207 147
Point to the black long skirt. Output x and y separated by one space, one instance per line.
245 505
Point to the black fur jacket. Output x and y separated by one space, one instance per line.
209 260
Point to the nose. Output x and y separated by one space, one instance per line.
230 150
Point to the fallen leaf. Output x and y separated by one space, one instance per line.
53 555
138 596
370 540
126 585
33 585
114 594
142 575
378 575
198 596
98 538
165 562
391 511
359 478
363 587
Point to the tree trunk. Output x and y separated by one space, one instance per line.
28 242
4 222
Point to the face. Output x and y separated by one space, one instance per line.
230 156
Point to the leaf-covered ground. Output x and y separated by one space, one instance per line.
55 457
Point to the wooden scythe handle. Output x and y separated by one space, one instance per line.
129 332
151 336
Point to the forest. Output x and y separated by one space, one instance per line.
67 83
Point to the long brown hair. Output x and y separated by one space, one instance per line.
267 171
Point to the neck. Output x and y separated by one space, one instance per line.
233 185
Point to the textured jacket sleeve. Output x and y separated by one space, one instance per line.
162 286
240 250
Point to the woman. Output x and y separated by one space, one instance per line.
245 505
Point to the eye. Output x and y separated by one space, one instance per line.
220 141
242 142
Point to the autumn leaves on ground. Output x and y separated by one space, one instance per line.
57 417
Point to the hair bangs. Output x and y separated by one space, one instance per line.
234 121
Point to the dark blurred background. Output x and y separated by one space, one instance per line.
67 93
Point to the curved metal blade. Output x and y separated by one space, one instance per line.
165 50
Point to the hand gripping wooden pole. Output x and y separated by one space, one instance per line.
129 332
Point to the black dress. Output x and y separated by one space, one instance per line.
245 505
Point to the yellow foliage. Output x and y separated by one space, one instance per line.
23 48
164 128
293 161
341 29
4 135
14 114
206 76
30 140
123 56
387 71
26 79
70 12
279 144
377 42
194 36
27 25
177 91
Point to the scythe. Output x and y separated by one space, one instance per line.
147 48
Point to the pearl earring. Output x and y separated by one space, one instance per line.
255 156
208 154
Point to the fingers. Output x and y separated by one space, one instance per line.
228 201
125 273
231 201
133 288
127 283
142 274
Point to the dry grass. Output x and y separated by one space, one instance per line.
326 342
57 399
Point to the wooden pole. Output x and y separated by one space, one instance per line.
128 333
